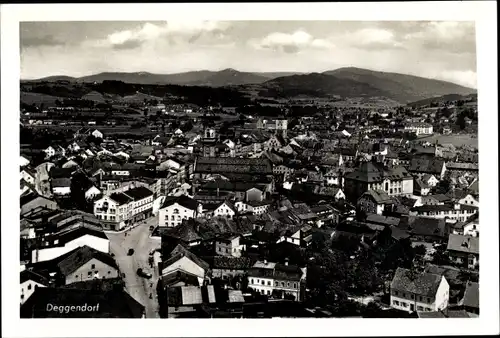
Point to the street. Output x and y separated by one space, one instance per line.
138 239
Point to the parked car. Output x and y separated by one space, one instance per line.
130 252
143 273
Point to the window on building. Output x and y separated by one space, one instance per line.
395 293
412 296
288 284
268 292
251 280
428 300
92 266
263 282
109 272
29 286
89 274
176 211
294 285
269 283
76 276
404 295
395 302
22 296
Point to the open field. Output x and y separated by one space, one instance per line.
457 140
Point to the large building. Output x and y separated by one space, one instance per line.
413 291
254 170
276 279
122 208
175 209
419 128
394 181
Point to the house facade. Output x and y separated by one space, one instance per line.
270 279
394 181
412 291
176 209
123 208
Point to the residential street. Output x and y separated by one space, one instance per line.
138 287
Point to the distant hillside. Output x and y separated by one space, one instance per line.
38 98
443 99
401 87
319 85
53 78
273 75
226 77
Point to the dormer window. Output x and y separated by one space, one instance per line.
176 211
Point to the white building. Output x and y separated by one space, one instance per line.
23 161
177 208
97 134
92 192
268 277
29 281
225 209
412 291
122 208
419 128
49 151
56 245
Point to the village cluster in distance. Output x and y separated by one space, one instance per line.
138 203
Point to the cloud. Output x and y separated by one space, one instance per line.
37 41
190 31
449 36
466 78
290 43
372 38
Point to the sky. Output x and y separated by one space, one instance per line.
435 49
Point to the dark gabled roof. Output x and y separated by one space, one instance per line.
179 276
186 231
230 186
82 255
429 166
180 251
61 182
423 226
138 193
233 165
471 295
27 275
61 172
25 199
276 271
66 236
230 263
182 200
112 304
422 284
384 220
371 172
120 198
465 244
378 196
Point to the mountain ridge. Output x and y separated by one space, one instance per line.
346 82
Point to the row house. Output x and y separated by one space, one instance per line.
276 279
126 207
456 212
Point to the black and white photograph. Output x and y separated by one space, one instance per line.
223 167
